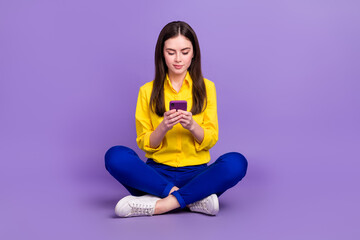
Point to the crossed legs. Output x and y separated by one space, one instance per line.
139 178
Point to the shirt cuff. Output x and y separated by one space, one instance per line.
147 147
206 143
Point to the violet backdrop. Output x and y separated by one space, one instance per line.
287 78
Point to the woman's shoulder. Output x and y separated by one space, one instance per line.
208 83
147 87
145 91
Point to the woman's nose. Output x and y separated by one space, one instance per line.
177 58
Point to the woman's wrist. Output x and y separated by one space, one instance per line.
162 127
157 135
193 126
197 131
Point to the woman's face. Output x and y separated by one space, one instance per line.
178 53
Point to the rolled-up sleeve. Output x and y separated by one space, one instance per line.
144 127
210 121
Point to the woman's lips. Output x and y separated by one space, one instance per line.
178 66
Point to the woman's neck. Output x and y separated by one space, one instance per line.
177 79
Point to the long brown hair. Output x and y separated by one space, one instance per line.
157 101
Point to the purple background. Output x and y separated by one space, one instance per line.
287 78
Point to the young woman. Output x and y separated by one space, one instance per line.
176 142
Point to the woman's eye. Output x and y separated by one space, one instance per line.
185 53
171 53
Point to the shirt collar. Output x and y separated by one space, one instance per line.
187 79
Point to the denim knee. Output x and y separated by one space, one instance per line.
116 155
236 166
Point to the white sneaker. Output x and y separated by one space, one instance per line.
131 206
208 205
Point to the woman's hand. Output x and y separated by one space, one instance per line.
186 120
174 188
171 118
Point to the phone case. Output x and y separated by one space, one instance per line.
179 104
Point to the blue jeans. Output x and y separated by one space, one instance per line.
194 182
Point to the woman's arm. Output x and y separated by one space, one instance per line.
205 133
170 119
197 131
188 123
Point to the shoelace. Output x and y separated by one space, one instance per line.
141 208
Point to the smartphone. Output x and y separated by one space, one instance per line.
181 104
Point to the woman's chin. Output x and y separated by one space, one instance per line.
177 71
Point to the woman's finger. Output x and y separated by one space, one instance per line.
168 113
184 112
176 122
175 114
175 118
184 121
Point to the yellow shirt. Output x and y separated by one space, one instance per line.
178 148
